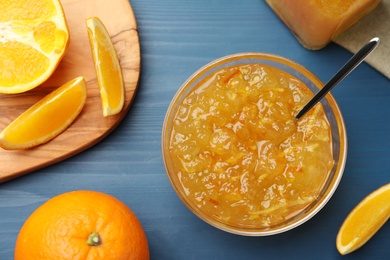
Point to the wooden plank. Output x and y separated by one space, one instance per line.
90 127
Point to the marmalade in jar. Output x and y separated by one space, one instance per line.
240 154
315 23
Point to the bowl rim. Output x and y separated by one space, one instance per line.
332 183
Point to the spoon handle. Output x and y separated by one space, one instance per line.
341 74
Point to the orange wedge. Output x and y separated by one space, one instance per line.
47 118
364 220
34 37
109 73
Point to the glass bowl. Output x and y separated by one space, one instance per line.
332 112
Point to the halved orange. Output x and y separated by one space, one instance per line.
34 37
47 118
364 220
108 69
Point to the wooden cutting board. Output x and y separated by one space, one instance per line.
90 127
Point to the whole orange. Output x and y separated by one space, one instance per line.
82 225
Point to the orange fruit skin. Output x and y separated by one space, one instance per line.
59 229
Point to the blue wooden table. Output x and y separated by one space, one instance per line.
177 38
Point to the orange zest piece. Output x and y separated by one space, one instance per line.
364 221
34 37
47 118
109 73
82 225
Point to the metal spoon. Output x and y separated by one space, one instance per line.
341 74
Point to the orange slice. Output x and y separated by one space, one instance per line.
33 39
364 220
47 118
109 73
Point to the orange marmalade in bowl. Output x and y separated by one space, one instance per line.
239 155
